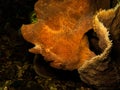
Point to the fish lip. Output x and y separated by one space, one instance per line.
57 65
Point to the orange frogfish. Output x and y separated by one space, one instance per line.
60 32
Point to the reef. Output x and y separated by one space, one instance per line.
103 69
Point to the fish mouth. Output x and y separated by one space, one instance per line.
56 64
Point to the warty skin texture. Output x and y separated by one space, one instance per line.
60 33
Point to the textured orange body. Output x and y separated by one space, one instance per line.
59 34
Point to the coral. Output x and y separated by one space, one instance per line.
102 70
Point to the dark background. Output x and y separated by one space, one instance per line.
16 63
